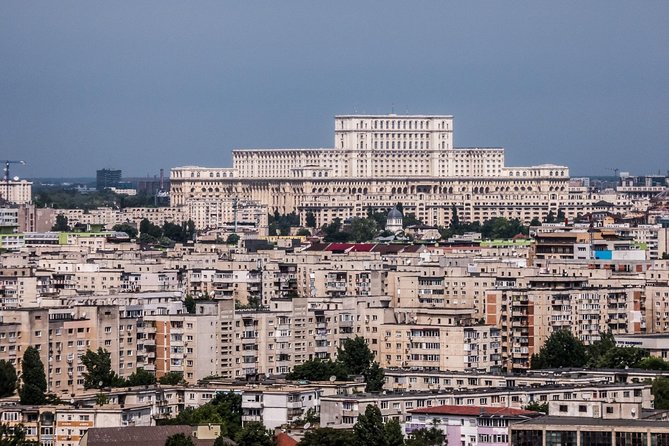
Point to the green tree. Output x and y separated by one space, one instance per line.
141 377
8 378
254 434
653 363
318 370
310 220
229 407
179 440
189 303
232 239
665 256
369 430
427 436
172 378
535 222
560 216
379 217
455 220
148 228
355 355
327 436
660 390
374 377
410 219
101 399
13 436
61 224
536 406
363 229
550 218
392 433
622 357
129 229
599 348
99 371
303 232
174 232
33 390
561 349
281 224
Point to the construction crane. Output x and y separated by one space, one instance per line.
614 170
7 163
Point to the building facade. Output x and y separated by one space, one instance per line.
376 162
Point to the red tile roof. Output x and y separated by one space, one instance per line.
283 439
339 247
362 247
471 411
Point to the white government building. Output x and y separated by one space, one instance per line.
379 161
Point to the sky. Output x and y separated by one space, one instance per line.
143 85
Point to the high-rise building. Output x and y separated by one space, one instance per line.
107 178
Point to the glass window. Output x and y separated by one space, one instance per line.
631 438
560 438
596 438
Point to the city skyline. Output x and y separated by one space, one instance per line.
165 85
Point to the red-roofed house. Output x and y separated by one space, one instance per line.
283 439
469 425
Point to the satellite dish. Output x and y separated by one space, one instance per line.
16 178
333 378
307 425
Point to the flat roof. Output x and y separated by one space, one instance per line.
584 421
471 411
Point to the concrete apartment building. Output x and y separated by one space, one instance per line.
343 410
16 191
469 425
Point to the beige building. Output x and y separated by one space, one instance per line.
378 161
16 191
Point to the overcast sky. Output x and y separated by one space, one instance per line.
140 85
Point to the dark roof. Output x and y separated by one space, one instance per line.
480 411
139 435
394 213
585 421
388 249
413 248
317 247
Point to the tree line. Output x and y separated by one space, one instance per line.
563 349
365 229
58 197
353 358
149 233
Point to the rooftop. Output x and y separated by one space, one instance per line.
480 411
583 421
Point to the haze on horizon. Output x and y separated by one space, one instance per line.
150 84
